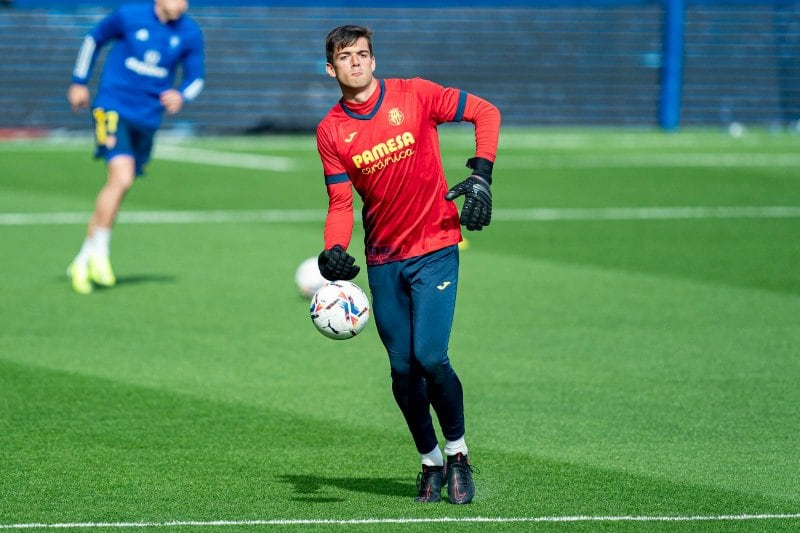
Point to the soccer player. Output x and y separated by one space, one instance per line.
137 85
381 139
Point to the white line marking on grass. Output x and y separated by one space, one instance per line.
366 521
698 160
195 217
168 217
223 159
170 152
501 215
645 213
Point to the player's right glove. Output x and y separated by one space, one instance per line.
336 264
476 189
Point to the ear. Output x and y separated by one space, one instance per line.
329 69
372 64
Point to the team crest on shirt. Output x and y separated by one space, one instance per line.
174 41
395 116
142 34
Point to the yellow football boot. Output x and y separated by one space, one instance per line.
100 271
79 275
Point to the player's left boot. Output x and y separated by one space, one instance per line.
100 271
460 487
429 484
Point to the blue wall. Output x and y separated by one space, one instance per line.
639 63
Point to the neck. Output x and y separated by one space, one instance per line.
162 15
361 95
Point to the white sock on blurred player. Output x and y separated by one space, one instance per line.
86 250
101 242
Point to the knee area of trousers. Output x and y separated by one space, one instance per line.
400 373
438 370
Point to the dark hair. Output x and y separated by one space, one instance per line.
345 36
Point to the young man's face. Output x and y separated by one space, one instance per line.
353 65
168 10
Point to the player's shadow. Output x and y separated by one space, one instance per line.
312 489
140 279
132 280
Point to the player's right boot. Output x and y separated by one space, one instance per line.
461 488
100 271
78 274
429 484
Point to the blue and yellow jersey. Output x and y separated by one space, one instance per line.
143 62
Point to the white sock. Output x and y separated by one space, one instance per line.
101 241
85 251
433 457
453 447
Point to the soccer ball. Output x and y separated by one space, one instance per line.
339 310
307 277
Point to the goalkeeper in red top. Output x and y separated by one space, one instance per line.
381 139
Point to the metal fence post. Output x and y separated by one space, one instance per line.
669 109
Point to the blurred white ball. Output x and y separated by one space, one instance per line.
307 277
736 130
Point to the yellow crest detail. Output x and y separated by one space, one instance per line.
395 116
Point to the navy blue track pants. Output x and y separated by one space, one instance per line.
413 302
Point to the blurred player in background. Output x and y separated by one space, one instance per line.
381 139
137 85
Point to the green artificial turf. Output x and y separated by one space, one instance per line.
629 366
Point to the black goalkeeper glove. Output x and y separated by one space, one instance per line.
336 264
476 189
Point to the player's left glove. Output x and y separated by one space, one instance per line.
336 264
476 189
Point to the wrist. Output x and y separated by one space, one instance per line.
481 167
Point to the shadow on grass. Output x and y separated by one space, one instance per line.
312 488
134 279
138 279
